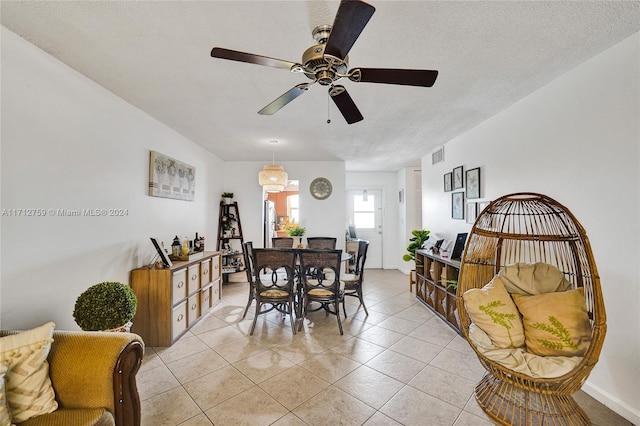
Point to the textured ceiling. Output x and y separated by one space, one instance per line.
156 56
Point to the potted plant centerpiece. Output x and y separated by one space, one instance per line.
107 306
420 236
295 230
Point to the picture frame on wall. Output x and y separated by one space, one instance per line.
448 182
458 178
482 205
472 212
457 205
170 178
473 183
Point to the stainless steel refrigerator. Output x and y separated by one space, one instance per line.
269 222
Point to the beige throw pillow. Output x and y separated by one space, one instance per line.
533 278
28 387
492 310
555 323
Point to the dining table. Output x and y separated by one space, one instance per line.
298 287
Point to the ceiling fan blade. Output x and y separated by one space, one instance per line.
234 55
424 78
275 106
351 18
345 104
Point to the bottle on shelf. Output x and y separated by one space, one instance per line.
196 243
185 246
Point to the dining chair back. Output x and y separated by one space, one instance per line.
322 243
248 264
274 282
353 282
320 275
282 242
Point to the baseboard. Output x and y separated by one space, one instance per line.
630 413
405 269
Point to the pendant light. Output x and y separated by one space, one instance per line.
273 178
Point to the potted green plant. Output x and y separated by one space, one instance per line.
451 285
107 306
227 197
295 230
420 236
227 225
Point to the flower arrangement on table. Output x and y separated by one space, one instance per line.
295 230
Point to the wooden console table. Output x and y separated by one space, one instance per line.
172 300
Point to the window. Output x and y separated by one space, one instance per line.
293 210
363 211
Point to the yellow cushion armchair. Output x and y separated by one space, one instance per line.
93 374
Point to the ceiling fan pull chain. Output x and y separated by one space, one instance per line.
328 108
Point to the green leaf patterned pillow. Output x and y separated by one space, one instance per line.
555 323
493 311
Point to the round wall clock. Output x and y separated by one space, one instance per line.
320 188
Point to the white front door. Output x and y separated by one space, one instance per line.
364 211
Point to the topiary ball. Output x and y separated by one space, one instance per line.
105 306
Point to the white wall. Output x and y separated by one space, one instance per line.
388 183
578 141
68 143
319 217
408 219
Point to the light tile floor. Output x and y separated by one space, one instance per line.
400 365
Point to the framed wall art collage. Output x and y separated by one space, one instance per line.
464 187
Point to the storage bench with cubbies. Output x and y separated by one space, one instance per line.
436 285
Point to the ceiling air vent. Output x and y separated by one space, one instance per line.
437 156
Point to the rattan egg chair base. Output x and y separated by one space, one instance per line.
510 405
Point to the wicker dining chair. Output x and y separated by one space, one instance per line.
250 271
282 242
322 243
531 228
353 282
320 274
274 282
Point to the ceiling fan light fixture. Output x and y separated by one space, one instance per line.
327 61
321 33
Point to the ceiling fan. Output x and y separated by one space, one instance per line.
327 62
